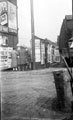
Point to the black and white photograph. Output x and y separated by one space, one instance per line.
36 59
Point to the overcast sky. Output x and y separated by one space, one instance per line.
48 17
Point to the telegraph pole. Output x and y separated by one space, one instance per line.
32 34
72 8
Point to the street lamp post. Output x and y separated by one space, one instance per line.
32 34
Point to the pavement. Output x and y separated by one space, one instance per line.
29 95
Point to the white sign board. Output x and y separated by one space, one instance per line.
37 50
42 53
49 53
3 13
5 57
12 16
3 19
57 55
3 29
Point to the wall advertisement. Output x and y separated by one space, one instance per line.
3 40
57 55
3 13
8 17
12 16
3 29
42 53
5 57
48 52
37 50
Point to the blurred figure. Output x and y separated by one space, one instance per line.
14 59
18 59
21 59
28 59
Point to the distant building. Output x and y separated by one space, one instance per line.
53 52
46 52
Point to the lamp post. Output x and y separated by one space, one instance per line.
32 34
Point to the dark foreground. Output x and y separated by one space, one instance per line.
30 95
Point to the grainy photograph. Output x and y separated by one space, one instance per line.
36 59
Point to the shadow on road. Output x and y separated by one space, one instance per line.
51 108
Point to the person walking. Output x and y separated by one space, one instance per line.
14 59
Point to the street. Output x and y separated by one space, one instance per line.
28 95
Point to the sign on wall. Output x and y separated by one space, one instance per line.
3 29
42 53
37 50
12 16
57 55
3 13
3 40
5 57
48 52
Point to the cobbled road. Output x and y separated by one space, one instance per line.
28 95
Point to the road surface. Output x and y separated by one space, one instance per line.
28 95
